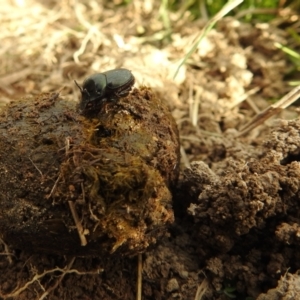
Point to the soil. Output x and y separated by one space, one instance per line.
236 231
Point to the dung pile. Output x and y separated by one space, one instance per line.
85 186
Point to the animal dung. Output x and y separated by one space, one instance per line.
75 185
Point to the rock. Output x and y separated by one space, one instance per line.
172 285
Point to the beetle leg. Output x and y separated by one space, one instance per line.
80 88
123 93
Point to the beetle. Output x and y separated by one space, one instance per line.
107 86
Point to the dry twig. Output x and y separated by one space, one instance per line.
79 227
272 110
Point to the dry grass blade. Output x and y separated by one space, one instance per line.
223 12
139 278
272 110
246 97
194 106
253 11
184 158
78 224
201 289
15 76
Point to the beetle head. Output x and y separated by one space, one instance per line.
91 95
85 97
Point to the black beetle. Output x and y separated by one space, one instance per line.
106 86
